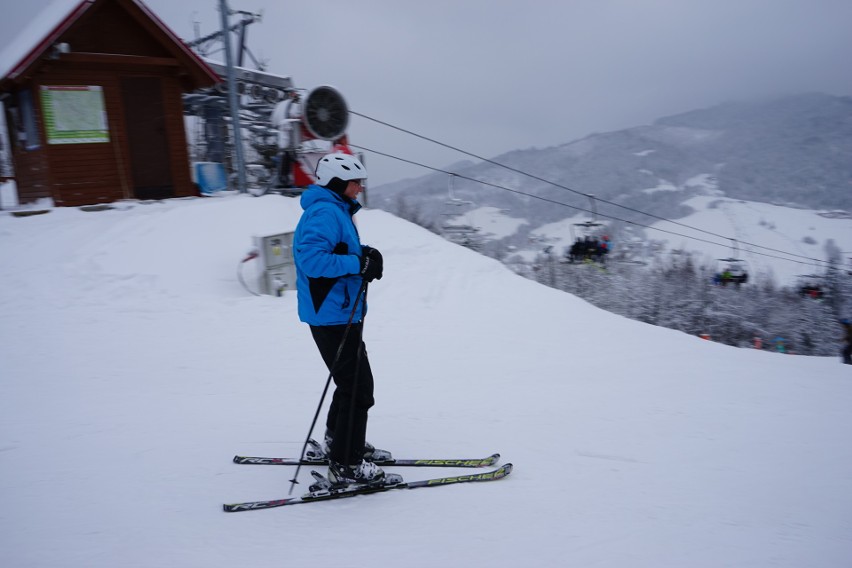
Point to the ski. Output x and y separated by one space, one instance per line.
462 462
326 493
315 456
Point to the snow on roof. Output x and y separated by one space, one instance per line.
53 20
33 33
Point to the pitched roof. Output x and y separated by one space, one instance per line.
31 35
38 37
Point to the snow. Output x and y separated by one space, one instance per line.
800 232
492 222
706 183
33 33
9 195
134 366
663 185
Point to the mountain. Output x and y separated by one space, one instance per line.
135 365
791 151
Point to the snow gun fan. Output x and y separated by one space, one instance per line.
325 113
321 128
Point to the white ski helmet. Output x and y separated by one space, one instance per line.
341 166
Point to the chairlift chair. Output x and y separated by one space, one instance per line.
731 270
587 240
811 286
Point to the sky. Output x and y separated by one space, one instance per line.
135 366
490 76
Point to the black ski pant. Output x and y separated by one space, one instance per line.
846 353
353 395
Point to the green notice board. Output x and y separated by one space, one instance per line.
74 114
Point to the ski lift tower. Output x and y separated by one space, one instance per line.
286 129
233 103
212 105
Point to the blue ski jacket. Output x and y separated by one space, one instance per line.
327 252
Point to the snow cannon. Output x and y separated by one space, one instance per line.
309 127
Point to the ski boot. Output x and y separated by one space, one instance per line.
364 473
343 479
314 452
370 452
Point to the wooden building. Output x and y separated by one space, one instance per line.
94 108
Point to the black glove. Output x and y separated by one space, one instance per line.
371 264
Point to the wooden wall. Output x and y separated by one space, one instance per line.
105 47
79 174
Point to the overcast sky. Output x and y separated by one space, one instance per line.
490 76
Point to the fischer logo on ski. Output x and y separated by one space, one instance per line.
484 462
496 474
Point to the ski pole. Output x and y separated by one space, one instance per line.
361 292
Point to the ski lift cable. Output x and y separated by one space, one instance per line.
479 181
555 184
576 208
516 170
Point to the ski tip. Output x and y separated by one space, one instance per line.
500 472
254 505
238 459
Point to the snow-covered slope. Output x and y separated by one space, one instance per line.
134 366
786 237
768 239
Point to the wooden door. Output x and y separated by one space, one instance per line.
147 138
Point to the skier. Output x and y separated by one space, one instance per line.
846 352
331 266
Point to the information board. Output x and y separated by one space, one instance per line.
74 114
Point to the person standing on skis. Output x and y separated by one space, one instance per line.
846 351
332 272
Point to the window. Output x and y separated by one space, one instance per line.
26 125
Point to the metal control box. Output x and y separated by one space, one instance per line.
277 267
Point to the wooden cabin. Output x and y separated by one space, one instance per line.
93 107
